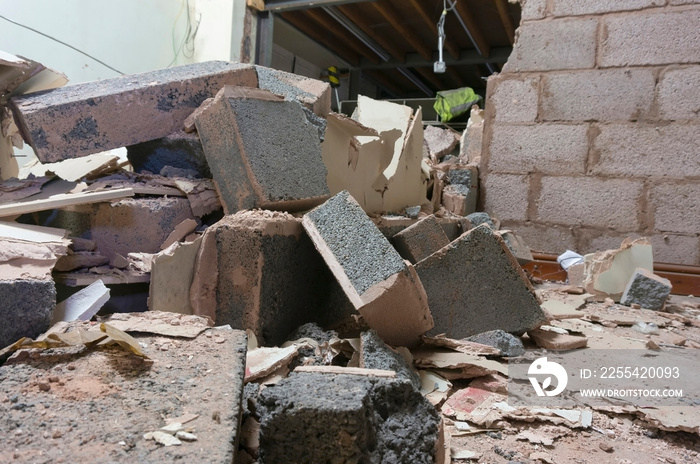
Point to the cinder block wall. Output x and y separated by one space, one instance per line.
592 130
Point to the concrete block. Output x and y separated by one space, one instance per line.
574 7
642 150
517 246
556 44
375 354
602 95
440 142
270 277
27 306
381 286
545 238
472 137
475 285
420 240
676 207
533 9
647 290
311 93
507 343
589 201
81 119
261 151
547 148
178 150
515 100
83 390
678 96
623 45
392 225
311 417
127 226
476 219
506 196
462 190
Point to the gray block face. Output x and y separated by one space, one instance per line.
312 418
647 290
366 256
477 219
475 285
271 282
81 119
509 345
376 354
179 150
420 240
262 153
27 306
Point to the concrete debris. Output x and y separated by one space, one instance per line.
81 119
607 273
310 416
439 142
499 295
382 287
245 134
420 240
506 343
246 204
647 290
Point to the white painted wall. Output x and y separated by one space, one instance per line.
131 36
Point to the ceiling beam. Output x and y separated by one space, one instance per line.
361 22
465 18
393 17
330 25
307 28
432 25
279 6
505 19
352 28
466 58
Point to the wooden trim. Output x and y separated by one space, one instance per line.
63 200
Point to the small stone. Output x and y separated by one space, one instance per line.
605 447
608 302
70 367
636 306
186 436
44 386
56 434
53 379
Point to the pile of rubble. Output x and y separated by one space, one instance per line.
249 206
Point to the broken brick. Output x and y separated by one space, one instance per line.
261 151
81 119
421 239
474 285
647 290
381 286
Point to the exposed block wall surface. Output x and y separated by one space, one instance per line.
179 150
271 279
591 132
647 290
81 119
309 417
262 151
421 239
475 285
380 284
27 307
